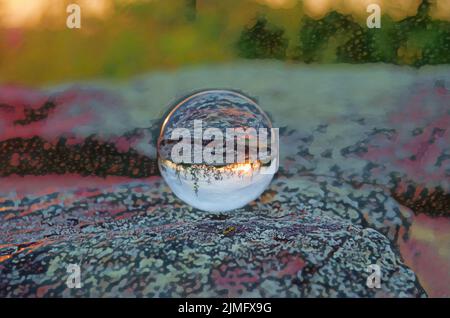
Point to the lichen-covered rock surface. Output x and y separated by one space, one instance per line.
364 179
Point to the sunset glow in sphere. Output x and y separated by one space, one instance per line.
216 150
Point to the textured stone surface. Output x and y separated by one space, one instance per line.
141 241
364 157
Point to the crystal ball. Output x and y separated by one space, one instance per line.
217 150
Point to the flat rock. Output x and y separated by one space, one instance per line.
362 153
170 250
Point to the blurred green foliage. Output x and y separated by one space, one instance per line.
416 41
135 37
262 40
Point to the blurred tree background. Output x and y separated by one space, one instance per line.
120 38
417 40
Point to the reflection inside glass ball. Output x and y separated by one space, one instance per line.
217 150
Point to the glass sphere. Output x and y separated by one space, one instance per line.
216 150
